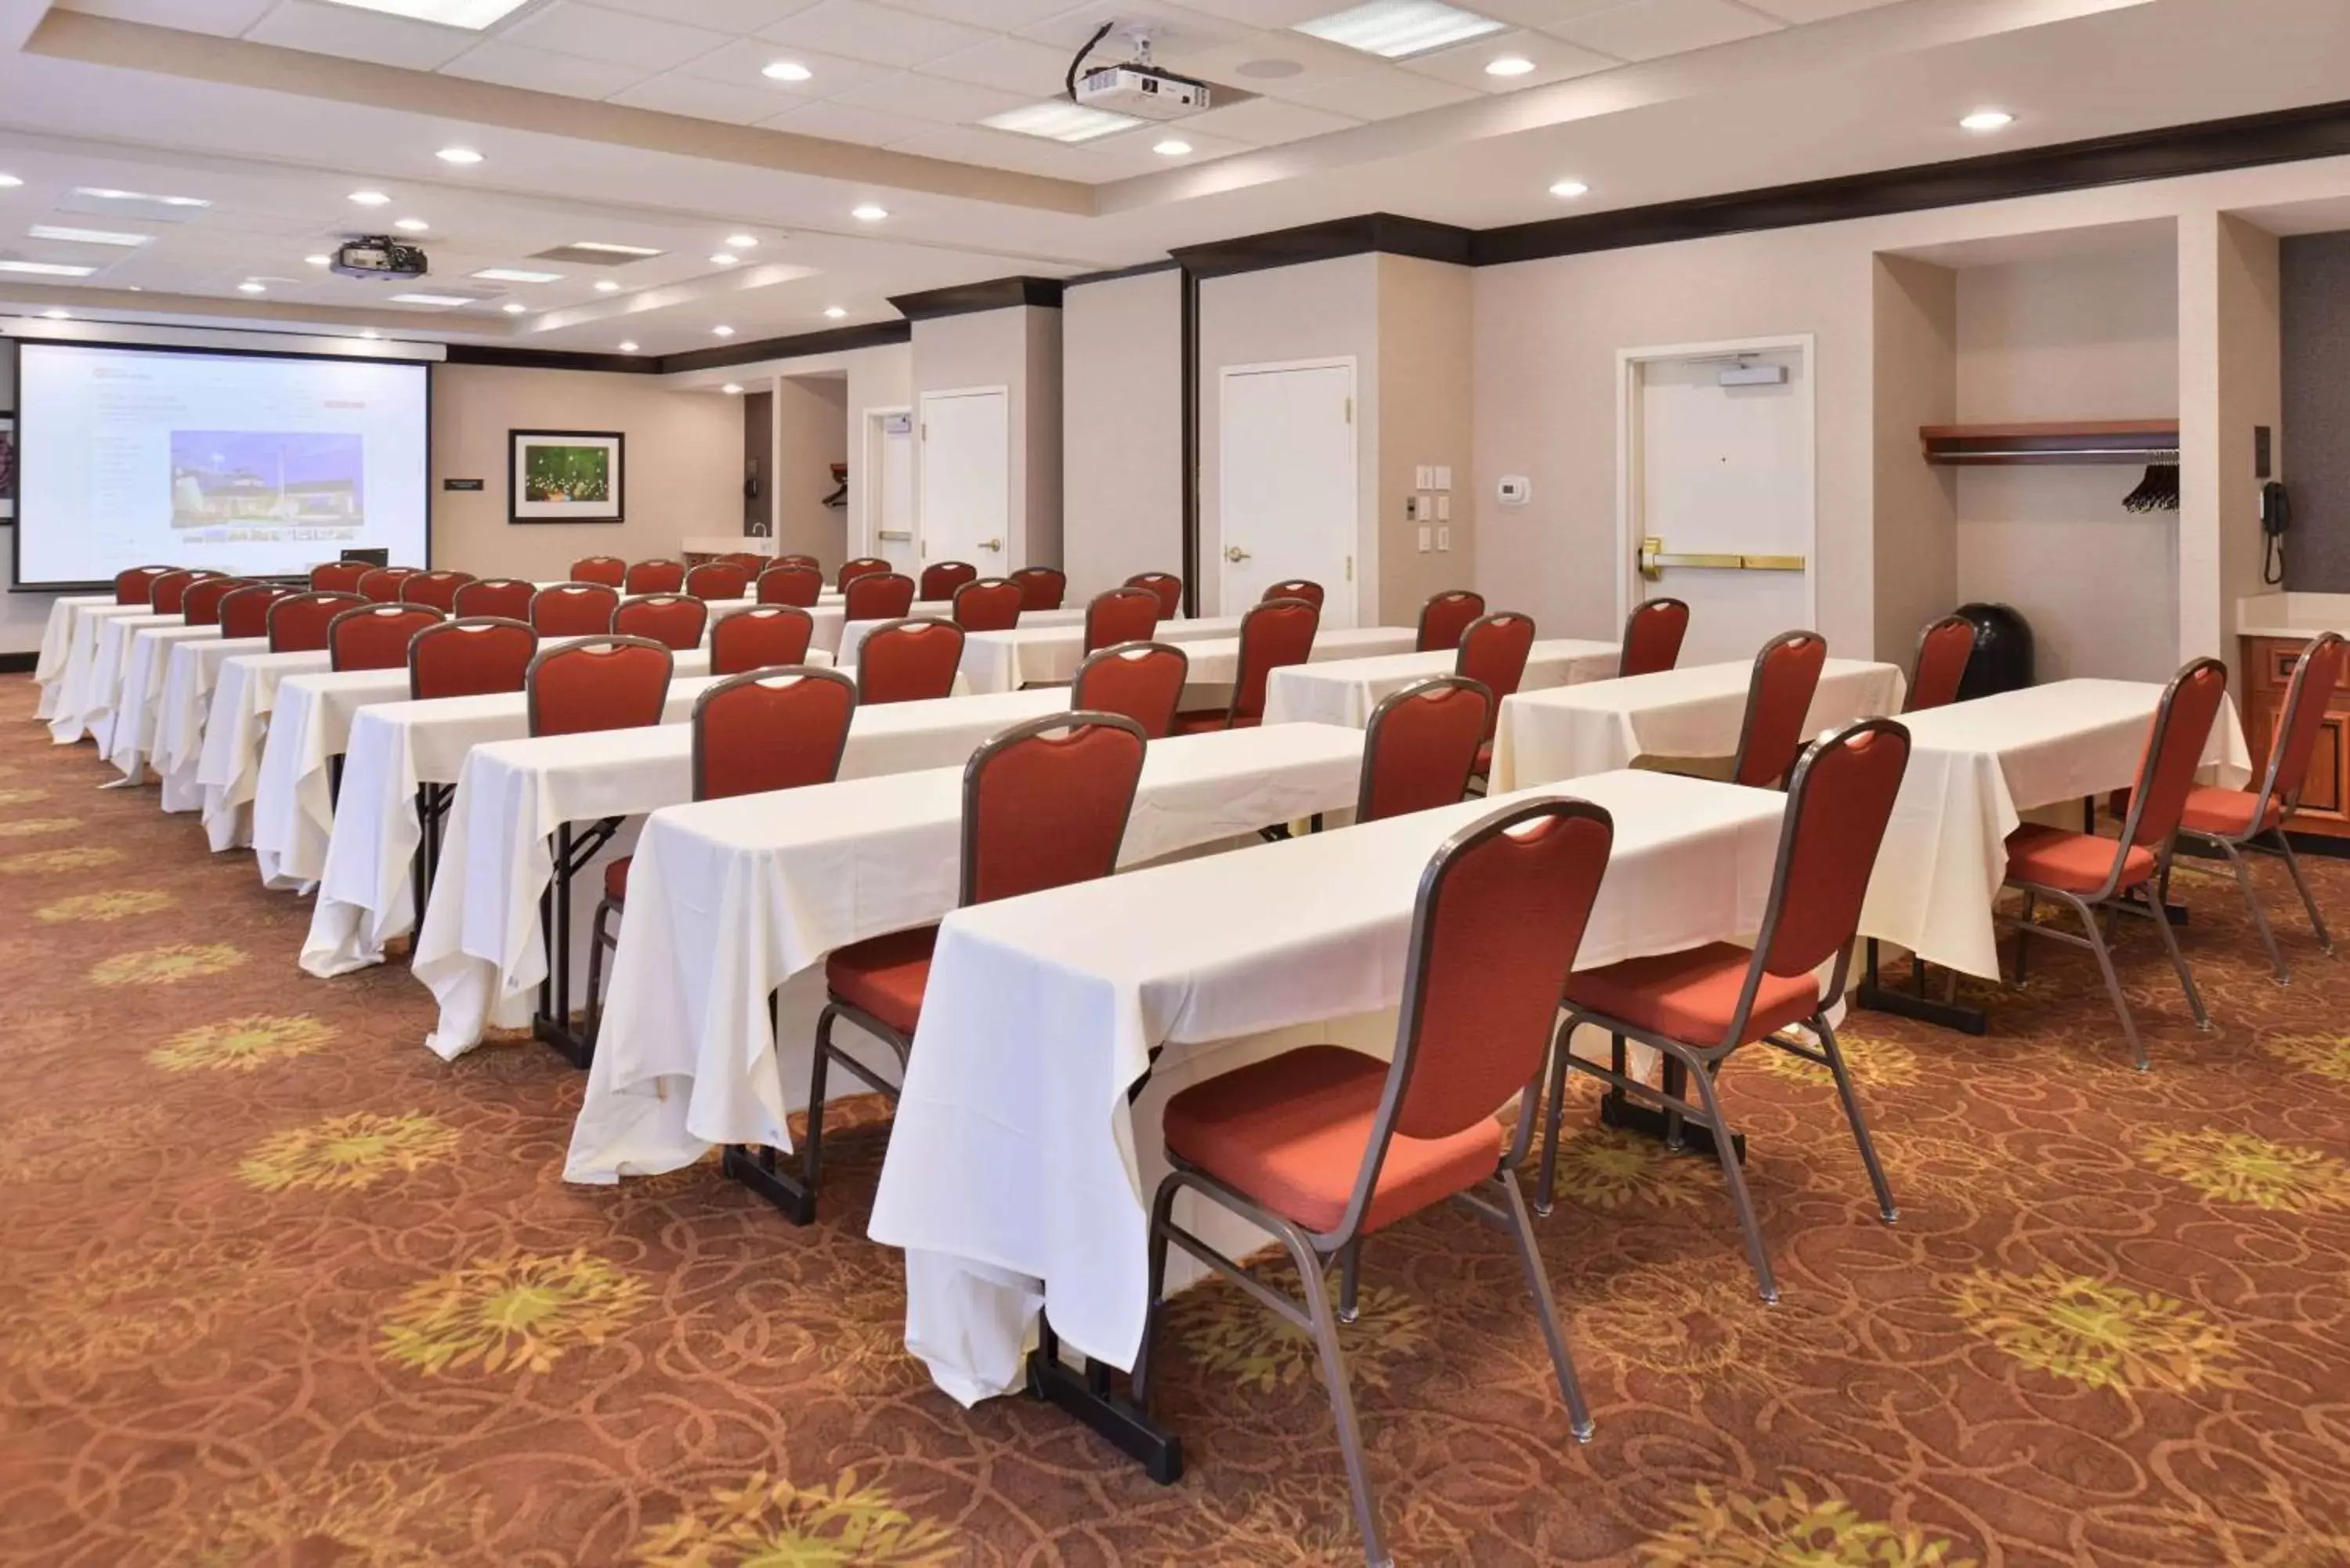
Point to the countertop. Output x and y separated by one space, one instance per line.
2298 615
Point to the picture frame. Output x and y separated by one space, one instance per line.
7 467
567 476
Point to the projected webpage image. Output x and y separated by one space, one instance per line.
237 485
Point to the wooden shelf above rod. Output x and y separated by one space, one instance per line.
2061 440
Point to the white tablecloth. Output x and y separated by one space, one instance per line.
83 699
139 706
1038 653
365 897
112 666
1974 769
730 900
229 770
1569 731
480 948
189 679
1018 1175
57 638
1345 691
853 635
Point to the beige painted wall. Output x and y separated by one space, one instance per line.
811 433
2092 336
1914 366
1122 430
2231 356
683 476
1018 350
1426 390
1042 434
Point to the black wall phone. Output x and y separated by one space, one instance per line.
2276 516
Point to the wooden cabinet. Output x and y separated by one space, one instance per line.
2325 799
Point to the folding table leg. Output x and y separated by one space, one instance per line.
553 1024
1875 995
1086 1393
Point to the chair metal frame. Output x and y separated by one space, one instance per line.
1311 1251
955 580
355 569
1121 595
1304 588
218 588
732 571
850 609
503 585
1059 591
376 611
1754 701
1378 722
794 571
353 601
455 579
566 592
1232 714
629 590
863 664
1686 1064
433 800
599 563
2095 938
270 594
140 583
855 568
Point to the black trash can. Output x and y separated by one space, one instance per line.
2001 660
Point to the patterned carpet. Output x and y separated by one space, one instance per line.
279 1287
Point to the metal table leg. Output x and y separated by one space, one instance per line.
1875 995
1087 1393
553 1024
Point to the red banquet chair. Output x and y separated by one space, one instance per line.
437 589
1421 746
942 578
1778 698
673 620
761 639
200 606
1120 616
2090 875
1446 618
2231 821
989 604
506 598
244 613
1304 588
658 576
764 730
750 563
382 585
1652 637
877 596
1698 1005
376 635
574 609
597 684
910 660
298 622
167 595
608 570
1494 651
1942 654
1042 587
337 576
1322 1146
791 584
718 580
136 585
1167 585
1142 681
473 656
810 562
861 567
1276 633
1044 804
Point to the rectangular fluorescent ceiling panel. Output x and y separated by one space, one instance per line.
596 252
1393 30
1059 119
433 300
516 275
108 193
46 269
474 13
85 236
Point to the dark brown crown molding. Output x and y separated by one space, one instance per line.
1140 269
2279 136
1372 231
552 359
967 299
800 346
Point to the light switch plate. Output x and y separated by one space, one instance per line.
1443 476
1423 477
1444 509
1423 541
1444 539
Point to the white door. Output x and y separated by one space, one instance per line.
1719 494
1288 484
966 482
890 500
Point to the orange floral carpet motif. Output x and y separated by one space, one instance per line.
279 1289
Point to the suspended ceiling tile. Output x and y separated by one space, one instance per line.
1258 62
845 122
863 31
1265 121
1005 150
1554 59
224 18
1009 64
1648 29
676 93
1009 14
1814 10
543 70
1542 12
743 62
1381 93
726 15
570 28
1173 29
1268 12
932 99
360 35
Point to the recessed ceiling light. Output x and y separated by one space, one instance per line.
369 198
458 155
628 347
319 261
431 299
724 258
721 332
9 182
513 307
1509 66
517 275
1173 147
732 388
612 250
133 288
470 14
1988 119
411 225
1059 119
742 242
369 332
46 269
1392 29
1570 188
107 194
606 285
833 313
85 236
786 71
251 285
55 316
868 213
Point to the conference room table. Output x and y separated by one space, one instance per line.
58 635
137 723
1022 1161
732 901
1004 660
189 677
83 702
1574 732
853 634
480 948
1345 691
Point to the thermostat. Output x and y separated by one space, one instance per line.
1515 490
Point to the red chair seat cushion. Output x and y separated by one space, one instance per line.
1205 720
1692 996
885 976
2073 862
616 880
1290 1134
2219 813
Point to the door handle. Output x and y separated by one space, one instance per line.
990 544
1235 553
1654 559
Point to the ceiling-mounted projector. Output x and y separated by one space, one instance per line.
1144 91
378 255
